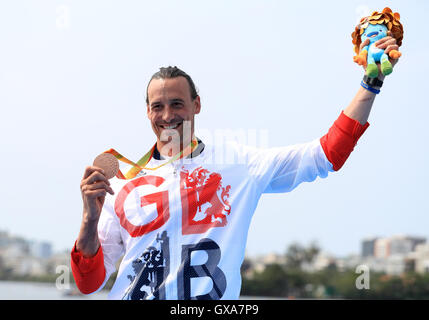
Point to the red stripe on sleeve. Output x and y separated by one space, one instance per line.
89 273
341 138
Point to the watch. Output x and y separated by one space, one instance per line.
373 82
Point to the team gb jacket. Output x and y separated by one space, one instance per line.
182 229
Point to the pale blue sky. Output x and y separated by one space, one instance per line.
72 84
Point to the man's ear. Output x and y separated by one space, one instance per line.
147 109
197 102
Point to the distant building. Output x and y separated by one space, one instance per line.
395 264
368 247
422 258
403 245
382 248
24 257
396 254
393 246
42 250
375 264
348 263
4 239
258 263
321 261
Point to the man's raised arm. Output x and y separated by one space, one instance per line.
342 137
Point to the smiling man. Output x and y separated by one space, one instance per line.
172 103
181 226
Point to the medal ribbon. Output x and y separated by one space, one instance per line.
141 164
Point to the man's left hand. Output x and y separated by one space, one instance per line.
388 44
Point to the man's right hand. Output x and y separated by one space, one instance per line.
94 186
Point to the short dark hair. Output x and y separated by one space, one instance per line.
172 72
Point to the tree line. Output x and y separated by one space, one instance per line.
290 280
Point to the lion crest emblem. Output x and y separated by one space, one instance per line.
204 200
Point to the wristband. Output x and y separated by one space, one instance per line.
373 82
370 89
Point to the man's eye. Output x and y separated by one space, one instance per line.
156 107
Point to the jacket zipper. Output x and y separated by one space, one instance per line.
175 246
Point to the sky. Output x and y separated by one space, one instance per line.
73 76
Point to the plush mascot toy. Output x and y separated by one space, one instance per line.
375 27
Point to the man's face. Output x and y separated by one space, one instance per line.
170 104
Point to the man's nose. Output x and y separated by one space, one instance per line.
168 114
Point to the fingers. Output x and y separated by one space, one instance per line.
93 174
88 188
95 193
95 177
363 44
90 169
386 43
95 180
381 41
390 48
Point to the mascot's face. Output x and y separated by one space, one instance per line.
375 27
374 32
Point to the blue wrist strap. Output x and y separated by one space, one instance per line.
367 87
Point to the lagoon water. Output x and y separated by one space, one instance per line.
15 290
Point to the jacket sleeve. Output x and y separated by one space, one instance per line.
283 169
341 139
92 273
88 272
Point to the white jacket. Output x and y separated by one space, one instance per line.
182 229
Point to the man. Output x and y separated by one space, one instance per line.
181 226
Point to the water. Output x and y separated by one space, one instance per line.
15 290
